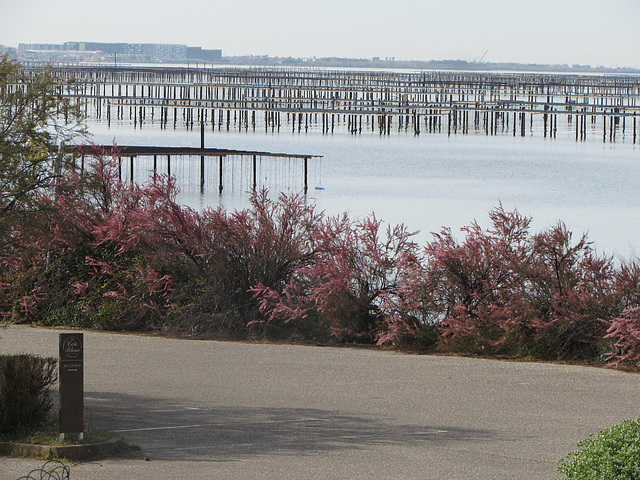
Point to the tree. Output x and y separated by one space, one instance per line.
35 117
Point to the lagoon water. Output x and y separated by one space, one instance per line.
428 181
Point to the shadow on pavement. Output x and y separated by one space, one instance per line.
170 430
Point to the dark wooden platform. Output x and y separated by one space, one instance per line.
133 151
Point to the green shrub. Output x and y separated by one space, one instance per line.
25 400
612 454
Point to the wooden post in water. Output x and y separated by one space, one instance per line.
202 156
255 177
220 187
306 185
491 120
168 165
612 135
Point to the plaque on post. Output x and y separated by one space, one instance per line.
71 378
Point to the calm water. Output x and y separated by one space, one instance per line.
428 181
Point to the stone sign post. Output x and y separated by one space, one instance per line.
71 378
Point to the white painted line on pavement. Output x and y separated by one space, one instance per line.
219 424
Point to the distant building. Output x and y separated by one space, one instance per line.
199 53
165 51
96 51
11 52
53 52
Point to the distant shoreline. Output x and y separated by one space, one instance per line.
461 65
362 63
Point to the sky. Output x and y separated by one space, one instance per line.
586 32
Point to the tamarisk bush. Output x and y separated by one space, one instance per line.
504 290
571 290
102 254
476 285
68 264
95 253
233 252
351 284
624 329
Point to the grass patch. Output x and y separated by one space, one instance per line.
49 434
45 444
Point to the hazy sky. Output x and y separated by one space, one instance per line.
595 32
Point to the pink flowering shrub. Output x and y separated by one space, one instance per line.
351 285
100 254
570 290
503 290
477 287
261 245
67 265
624 329
105 255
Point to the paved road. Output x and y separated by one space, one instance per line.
205 409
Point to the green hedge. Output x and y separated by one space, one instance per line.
25 397
612 454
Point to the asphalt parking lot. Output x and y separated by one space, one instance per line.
207 409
